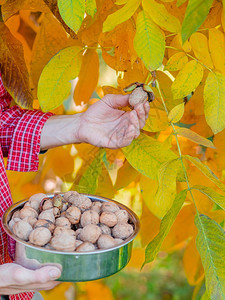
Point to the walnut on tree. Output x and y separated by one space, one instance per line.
47 215
63 242
89 217
90 233
86 246
73 214
140 93
109 207
28 212
108 218
105 241
63 222
40 236
122 230
22 230
45 223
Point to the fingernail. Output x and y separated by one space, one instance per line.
54 273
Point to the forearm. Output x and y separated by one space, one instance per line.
60 130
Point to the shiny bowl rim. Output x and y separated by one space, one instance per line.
16 205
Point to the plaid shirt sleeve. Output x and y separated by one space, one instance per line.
20 137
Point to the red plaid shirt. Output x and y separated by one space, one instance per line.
19 141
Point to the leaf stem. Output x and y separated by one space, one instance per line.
192 57
178 147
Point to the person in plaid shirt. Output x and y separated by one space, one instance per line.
23 134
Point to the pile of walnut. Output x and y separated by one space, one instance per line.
71 223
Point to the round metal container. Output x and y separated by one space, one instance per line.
76 266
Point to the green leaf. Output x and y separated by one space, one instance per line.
176 113
214 101
194 137
195 15
121 15
210 243
205 296
146 155
206 171
165 194
89 181
54 86
149 42
154 246
161 16
72 12
180 2
91 8
187 79
211 194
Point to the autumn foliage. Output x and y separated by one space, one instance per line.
174 171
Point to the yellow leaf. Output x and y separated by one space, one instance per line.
148 189
176 62
217 49
149 42
88 77
13 68
121 2
177 43
161 16
187 79
121 15
125 176
157 120
176 113
91 7
214 101
72 12
105 187
194 137
192 263
199 44
54 85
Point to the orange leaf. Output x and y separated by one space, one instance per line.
88 77
125 176
98 290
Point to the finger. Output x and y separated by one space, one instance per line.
147 109
24 276
116 101
30 288
135 121
141 114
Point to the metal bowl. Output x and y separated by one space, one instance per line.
76 266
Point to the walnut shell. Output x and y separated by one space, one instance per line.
37 197
109 207
30 220
63 230
122 216
40 236
47 204
73 214
96 206
44 223
105 229
108 218
77 233
22 230
86 246
47 215
16 214
63 222
89 217
118 241
105 241
78 243
28 212
90 233
137 96
122 231
78 200
64 242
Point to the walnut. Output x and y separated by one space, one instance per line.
78 200
44 223
89 217
122 231
78 243
77 233
16 214
47 204
30 220
86 246
108 218
109 207
96 206
22 230
56 211
12 222
105 241
122 216
47 215
90 233
118 241
73 214
40 236
28 212
105 229
138 96
63 222
63 230
37 197
63 242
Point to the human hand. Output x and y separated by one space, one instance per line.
104 125
16 279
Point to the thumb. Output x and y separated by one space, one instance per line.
24 276
116 100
